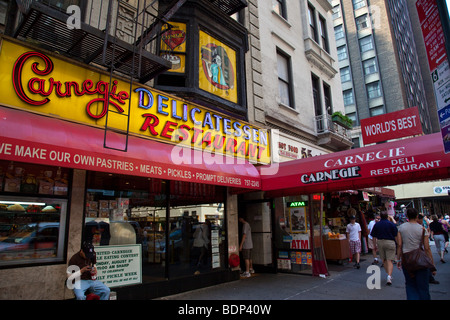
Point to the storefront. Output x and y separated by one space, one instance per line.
140 196
312 195
296 217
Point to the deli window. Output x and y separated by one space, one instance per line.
33 209
177 226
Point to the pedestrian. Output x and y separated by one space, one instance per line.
201 242
446 227
384 234
85 260
409 239
437 232
373 246
354 236
246 247
421 220
401 216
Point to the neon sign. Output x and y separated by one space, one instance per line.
57 87
38 86
297 204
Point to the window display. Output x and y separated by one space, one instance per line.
179 225
33 208
31 230
26 178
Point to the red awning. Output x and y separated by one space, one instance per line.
404 161
28 137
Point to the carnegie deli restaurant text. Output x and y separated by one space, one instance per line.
42 83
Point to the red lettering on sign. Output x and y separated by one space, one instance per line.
107 92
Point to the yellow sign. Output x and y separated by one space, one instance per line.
43 83
173 45
217 68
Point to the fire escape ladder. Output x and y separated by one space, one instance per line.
138 29
124 27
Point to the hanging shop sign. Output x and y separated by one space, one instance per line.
45 84
394 125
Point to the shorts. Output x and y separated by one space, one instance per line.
386 248
370 244
355 246
246 254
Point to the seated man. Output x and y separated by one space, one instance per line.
85 260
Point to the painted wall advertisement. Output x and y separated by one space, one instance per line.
217 73
119 266
433 36
173 45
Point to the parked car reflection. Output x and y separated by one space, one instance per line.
32 236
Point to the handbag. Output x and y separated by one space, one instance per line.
417 260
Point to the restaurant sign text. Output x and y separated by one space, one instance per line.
49 85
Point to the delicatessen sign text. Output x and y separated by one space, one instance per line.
45 84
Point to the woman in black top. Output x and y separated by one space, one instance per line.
437 232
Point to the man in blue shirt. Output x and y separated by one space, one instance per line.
384 234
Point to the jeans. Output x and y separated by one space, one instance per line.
94 286
417 288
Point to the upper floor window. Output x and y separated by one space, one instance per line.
284 78
280 8
370 66
336 12
362 22
316 95
323 34
374 90
348 97
342 52
345 74
3 11
312 22
357 4
339 32
376 111
327 98
366 44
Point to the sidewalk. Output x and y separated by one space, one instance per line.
343 283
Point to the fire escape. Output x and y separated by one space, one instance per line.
116 35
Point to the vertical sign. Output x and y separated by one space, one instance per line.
433 36
217 74
173 45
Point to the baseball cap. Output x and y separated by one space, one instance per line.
88 250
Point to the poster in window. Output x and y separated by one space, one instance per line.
217 68
173 45
298 219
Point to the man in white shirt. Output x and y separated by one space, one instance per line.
371 244
354 237
246 247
